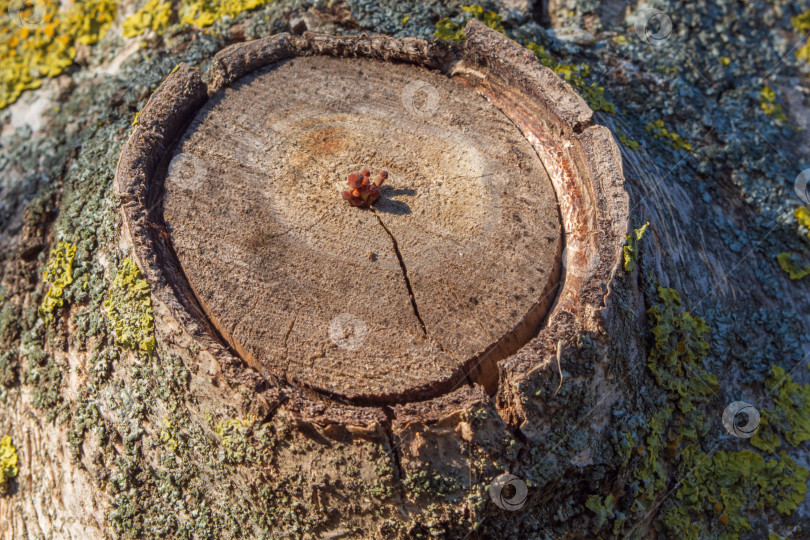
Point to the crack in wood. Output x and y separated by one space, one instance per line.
404 271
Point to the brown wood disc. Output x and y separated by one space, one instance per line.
448 272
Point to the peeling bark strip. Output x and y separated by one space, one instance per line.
581 161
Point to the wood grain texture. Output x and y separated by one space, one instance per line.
389 305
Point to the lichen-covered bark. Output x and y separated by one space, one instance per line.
115 442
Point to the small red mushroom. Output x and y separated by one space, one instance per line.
362 192
355 180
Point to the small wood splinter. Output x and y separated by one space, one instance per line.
362 192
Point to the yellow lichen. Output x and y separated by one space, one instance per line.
631 247
167 435
59 273
575 75
154 15
767 101
801 23
8 462
234 438
802 215
38 40
660 132
130 309
206 12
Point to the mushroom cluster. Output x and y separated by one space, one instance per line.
362 192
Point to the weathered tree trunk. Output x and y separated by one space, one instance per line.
196 377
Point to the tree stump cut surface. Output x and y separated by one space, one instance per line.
453 265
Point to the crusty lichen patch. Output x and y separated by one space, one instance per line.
659 131
234 438
631 247
679 346
787 261
59 274
453 30
129 307
575 75
8 462
791 416
801 23
716 491
155 15
38 39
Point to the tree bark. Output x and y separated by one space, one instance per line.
218 430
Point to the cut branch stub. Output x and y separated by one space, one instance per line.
381 306
453 270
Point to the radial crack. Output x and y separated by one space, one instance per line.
404 272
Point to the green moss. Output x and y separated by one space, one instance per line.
631 247
678 349
129 307
767 102
155 15
59 274
575 75
660 132
8 462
